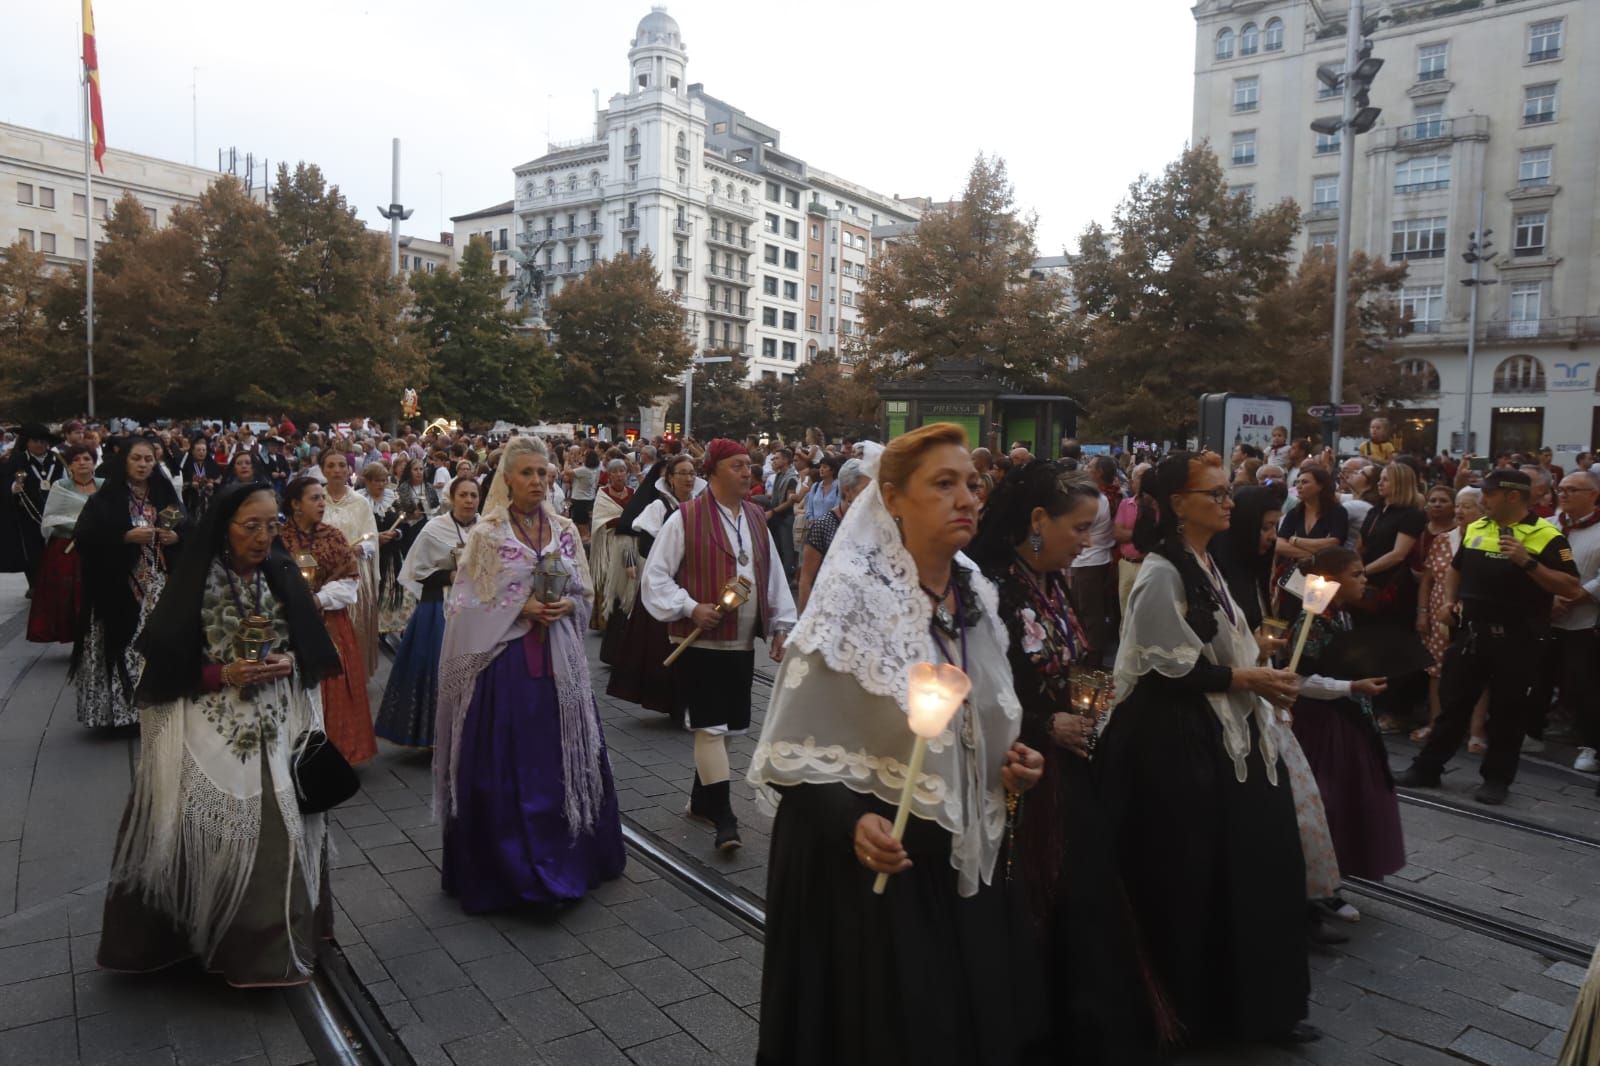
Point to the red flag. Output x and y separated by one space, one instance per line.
91 71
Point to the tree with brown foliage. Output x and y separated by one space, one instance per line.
620 341
38 379
960 288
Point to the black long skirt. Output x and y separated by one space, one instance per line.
1212 866
919 974
637 676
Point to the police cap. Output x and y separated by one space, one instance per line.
1503 480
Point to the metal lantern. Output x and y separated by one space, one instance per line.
550 579
308 567
1089 691
169 517
255 639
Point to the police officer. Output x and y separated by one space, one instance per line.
1507 572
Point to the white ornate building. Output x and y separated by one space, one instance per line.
767 252
1480 98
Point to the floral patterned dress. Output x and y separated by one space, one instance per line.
105 692
1436 564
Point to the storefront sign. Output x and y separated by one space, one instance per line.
1516 410
1571 376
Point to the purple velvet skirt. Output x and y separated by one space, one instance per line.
1352 770
508 842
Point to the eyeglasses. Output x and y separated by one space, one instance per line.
256 527
1217 495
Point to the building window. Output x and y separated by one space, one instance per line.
150 213
1245 192
1423 307
1324 90
791 260
80 248
770 253
769 316
1328 240
772 223
1431 60
1544 41
1429 122
1422 173
1249 40
791 229
79 204
1327 144
102 208
774 192
1418 238
789 350
791 290
792 198
1244 148
1526 299
1539 104
1325 193
769 348
816 261
1520 373
47 243
24 193
47 197
790 320
811 322
25 236
811 293
1224 43
1530 233
816 232
633 171
720 127
1272 36
1424 372
1246 94
769 285
1533 167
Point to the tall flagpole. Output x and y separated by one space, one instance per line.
88 234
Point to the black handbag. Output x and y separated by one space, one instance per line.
323 778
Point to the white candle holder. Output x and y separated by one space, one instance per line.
1319 594
933 692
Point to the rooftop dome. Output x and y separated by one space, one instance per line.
658 27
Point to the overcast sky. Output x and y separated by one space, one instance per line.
1079 96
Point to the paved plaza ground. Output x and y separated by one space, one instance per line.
644 971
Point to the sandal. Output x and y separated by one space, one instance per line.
1478 746
1420 736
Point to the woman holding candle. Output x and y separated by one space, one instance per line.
350 513
940 968
521 779
410 700
1196 796
57 596
333 578
214 859
393 610
611 557
122 536
1039 518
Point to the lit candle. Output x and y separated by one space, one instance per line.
1319 594
933 692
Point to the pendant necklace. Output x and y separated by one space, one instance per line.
941 614
738 530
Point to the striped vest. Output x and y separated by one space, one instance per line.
710 561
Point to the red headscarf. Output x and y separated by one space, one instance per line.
720 449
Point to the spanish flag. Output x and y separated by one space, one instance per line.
91 73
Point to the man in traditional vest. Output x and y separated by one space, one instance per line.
706 544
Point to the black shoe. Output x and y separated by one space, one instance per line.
1415 776
719 806
1492 793
1301 1033
1319 932
699 808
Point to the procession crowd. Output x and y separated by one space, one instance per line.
1151 750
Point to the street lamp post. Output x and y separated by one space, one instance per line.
1358 116
1478 249
688 384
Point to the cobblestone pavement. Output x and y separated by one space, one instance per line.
642 971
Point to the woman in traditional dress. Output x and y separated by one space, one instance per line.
1037 521
1196 796
345 706
123 536
350 513
57 601
611 558
243 469
418 500
410 699
1440 539
521 779
1337 728
637 675
941 968
214 859
384 499
201 474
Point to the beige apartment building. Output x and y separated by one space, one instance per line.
1482 100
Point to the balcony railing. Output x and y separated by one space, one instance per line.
1421 186
1327 147
631 152
576 266
1436 74
1242 159
1242 106
727 237
1399 254
717 344
682 225
683 155
731 273
680 262
1428 129
729 206
1583 327
630 224
728 307
1525 250
1533 182
1543 54
1538 118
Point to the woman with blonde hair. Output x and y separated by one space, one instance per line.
521 779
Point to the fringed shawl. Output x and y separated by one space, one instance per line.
336 560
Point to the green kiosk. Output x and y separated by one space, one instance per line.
993 412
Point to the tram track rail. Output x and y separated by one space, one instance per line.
1433 802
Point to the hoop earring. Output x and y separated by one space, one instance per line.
1035 541
1180 527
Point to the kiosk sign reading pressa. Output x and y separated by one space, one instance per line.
1230 418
